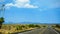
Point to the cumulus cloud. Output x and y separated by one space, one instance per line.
21 4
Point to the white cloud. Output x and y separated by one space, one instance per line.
9 5
21 4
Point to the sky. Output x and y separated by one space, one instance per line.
39 11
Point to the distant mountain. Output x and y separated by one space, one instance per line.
28 23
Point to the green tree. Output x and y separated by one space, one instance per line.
1 21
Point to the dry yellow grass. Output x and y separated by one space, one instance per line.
11 28
57 29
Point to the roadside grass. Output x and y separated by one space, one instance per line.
11 28
56 27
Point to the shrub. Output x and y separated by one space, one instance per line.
37 26
18 27
31 25
58 26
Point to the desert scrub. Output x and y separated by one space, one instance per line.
18 27
11 28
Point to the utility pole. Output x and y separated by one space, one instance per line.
2 8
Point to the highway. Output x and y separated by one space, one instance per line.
50 31
35 31
40 31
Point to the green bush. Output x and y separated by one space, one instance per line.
34 25
31 25
18 27
58 26
44 26
37 26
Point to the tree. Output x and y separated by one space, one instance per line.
1 21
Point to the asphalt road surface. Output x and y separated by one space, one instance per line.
41 31
50 31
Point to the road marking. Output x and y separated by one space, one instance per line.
55 31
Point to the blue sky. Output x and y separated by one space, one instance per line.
41 11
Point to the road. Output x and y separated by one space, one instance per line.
36 31
41 31
50 31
